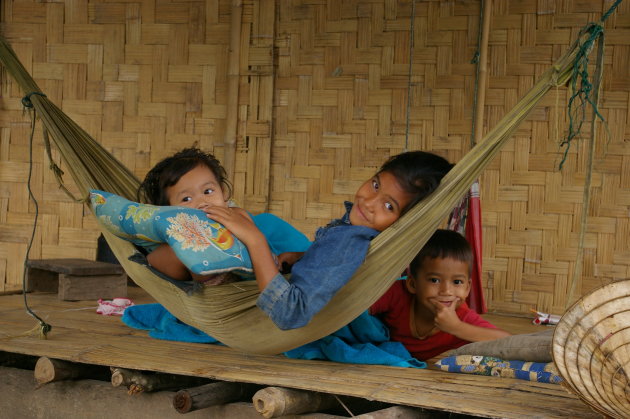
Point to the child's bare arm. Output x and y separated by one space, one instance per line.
472 333
164 259
446 319
241 225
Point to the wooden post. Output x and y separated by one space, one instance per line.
212 394
48 370
483 65
233 76
272 402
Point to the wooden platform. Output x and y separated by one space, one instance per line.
81 335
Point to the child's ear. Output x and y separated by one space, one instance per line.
410 283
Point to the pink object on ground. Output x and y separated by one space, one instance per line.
114 307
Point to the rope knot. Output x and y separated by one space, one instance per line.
56 169
44 329
26 100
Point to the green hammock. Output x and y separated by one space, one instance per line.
228 312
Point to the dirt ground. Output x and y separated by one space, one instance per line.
21 398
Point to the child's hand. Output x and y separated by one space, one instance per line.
237 220
241 225
446 318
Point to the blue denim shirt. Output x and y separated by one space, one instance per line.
337 252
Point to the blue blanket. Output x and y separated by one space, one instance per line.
161 324
364 341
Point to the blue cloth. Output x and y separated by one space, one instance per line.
364 341
161 324
337 252
281 236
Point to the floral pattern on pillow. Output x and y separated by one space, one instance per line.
203 245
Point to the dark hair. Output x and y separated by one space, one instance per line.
444 244
168 172
418 173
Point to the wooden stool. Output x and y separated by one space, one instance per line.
76 279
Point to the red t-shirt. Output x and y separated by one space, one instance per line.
394 309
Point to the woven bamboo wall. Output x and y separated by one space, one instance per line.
322 101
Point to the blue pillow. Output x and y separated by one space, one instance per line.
203 245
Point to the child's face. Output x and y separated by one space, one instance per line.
439 281
198 188
379 202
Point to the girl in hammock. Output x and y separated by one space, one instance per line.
341 246
195 179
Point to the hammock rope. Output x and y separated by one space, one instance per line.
228 312
586 196
583 94
582 89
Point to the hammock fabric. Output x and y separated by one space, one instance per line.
228 312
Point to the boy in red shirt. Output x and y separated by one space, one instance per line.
427 312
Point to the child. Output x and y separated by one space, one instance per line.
427 312
191 178
341 246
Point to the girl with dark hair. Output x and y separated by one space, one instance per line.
340 247
189 178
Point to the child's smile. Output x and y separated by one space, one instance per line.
379 202
440 281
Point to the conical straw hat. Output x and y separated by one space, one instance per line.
591 348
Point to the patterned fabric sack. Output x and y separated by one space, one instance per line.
487 365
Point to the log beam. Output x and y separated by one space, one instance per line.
212 394
272 402
48 370
139 382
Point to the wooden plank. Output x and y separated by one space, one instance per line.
73 266
83 336
92 287
41 280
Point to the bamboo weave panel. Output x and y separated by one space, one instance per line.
322 103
